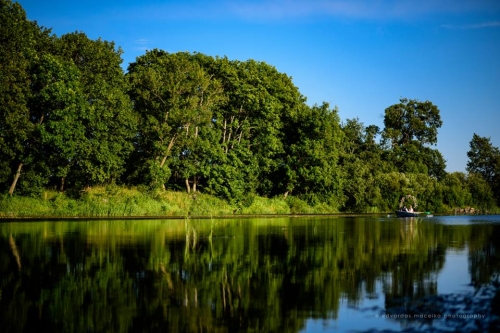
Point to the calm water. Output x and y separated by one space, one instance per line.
272 275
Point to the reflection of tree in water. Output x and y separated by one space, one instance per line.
484 256
189 276
412 273
64 287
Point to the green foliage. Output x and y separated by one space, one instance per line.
72 120
108 118
484 160
312 135
261 205
23 41
411 120
410 126
19 206
456 193
481 193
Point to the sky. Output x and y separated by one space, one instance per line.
359 55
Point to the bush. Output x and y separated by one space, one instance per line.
298 206
262 205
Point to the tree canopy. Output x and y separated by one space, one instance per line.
72 118
484 160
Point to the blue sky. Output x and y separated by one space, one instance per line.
359 55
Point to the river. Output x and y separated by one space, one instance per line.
306 274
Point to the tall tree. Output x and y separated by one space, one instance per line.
410 127
309 168
361 161
109 119
484 159
22 41
411 120
233 170
267 99
57 107
174 97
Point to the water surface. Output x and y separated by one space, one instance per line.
274 275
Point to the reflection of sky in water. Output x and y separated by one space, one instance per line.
363 317
465 219
454 277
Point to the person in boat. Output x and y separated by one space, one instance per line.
411 209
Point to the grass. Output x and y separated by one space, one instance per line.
116 201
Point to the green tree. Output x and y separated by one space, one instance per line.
456 192
410 127
57 107
260 100
22 41
361 162
109 119
174 97
233 167
311 142
484 159
392 185
481 192
411 120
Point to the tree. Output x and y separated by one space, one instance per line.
312 137
233 167
481 192
22 41
411 120
456 192
410 127
361 162
392 185
174 97
57 107
484 160
109 119
258 98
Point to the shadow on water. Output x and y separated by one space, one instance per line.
274 275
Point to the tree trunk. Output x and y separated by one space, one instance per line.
188 187
169 147
61 189
194 183
16 178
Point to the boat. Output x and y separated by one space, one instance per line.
411 201
403 213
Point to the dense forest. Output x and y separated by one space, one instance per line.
71 119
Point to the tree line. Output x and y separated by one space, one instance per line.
71 118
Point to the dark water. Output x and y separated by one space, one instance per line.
259 275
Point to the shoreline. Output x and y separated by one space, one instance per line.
180 217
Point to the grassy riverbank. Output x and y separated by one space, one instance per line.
115 201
